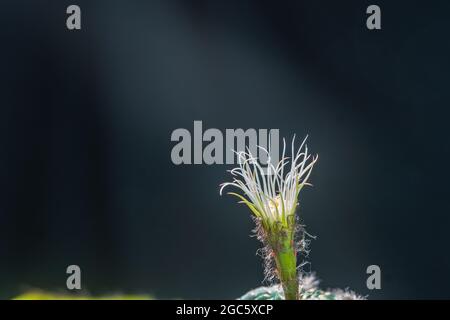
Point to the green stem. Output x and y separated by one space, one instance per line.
286 262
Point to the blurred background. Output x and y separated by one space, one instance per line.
86 117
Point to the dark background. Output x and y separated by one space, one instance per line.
86 117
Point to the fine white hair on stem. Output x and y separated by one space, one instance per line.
272 196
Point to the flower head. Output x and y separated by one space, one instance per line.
272 194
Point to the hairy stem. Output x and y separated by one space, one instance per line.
286 262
